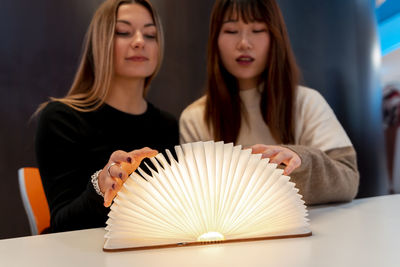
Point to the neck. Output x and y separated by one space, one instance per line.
247 84
127 95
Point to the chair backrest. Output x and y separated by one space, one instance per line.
34 199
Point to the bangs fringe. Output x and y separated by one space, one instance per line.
248 11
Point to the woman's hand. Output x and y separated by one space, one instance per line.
279 155
118 169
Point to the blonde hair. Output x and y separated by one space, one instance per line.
93 79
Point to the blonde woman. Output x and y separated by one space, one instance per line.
88 142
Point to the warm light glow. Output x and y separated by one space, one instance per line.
211 193
210 236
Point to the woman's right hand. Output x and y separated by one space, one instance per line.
118 169
279 155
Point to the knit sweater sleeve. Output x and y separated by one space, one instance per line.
326 176
328 172
66 179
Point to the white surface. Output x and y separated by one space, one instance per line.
365 232
390 68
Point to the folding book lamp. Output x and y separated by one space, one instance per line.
214 193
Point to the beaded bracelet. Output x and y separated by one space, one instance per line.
95 182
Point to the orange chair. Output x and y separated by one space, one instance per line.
34 199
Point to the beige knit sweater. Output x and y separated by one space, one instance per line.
328 172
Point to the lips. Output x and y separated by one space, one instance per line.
137 58
244 60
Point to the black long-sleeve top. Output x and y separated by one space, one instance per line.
72 145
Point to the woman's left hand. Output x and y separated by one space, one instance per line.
279 155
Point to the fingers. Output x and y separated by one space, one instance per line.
120 156
125 160
139 155
118 169
289 158
113 180
258 149
111 193
279 155
293 164
266 151
145 152
271 152
108 197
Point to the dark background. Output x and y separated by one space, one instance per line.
334 41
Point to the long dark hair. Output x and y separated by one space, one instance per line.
280 78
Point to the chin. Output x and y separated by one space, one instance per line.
245 77
136 75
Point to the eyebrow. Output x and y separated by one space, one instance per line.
230 20
128 23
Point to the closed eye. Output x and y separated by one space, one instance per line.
260 30
120 33
149 36
230 32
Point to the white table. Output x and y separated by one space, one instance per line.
365 232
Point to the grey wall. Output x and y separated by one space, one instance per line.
39 50
183 72
337 48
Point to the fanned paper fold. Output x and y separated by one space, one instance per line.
213 192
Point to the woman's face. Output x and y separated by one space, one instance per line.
135 43
244 50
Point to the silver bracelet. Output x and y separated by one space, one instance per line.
95 182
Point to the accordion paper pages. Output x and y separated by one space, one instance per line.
213 193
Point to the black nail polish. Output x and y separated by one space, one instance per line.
120 175
129 159
113 186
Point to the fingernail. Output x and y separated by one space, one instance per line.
120 175
113 186
129 159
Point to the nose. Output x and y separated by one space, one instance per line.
244 42
137 41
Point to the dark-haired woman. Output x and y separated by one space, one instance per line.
253 99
